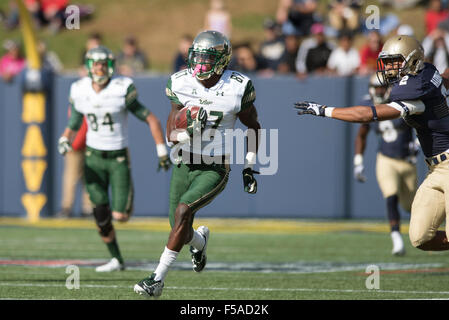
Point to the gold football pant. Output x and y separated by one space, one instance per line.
430 203
396 177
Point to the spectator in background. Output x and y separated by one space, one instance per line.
50 59
317 57
344 60
94 40
48 12
218 18
369 53
73 175
405 30
180 61
344 14
296 16
245 60
436 46
434 15
287 63
12 63
12 17
313 52
273 46
131 60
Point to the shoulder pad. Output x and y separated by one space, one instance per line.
121 82
414 87
79 86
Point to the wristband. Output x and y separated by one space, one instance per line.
328 112
358 159
373 109
161 150
250 160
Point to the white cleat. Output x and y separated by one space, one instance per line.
398 244
113 265
149 287
199 258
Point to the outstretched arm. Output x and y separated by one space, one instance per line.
360 114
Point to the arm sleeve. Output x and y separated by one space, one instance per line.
76 118
408 107
133 105
249 96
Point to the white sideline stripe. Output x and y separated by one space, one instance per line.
227 289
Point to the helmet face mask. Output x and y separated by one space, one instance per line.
400 56
209 54
390 69
100 64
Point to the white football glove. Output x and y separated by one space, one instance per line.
64 145
359 173
313 108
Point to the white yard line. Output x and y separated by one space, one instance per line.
8 284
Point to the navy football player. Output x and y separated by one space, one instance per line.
416 96
395 162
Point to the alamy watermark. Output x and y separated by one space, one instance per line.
373 20
228 147
373 280
72 20
73 280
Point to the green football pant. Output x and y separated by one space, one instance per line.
196 185
109 168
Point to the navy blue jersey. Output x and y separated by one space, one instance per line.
432 126
395 135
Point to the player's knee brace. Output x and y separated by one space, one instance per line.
103 219
392 209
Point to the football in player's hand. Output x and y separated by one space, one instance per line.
181 117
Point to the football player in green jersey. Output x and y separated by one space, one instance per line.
106 101
224 96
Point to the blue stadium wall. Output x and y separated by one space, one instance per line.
314 176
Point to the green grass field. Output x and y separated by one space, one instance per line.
303 261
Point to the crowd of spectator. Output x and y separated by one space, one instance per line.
303 41
299 40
